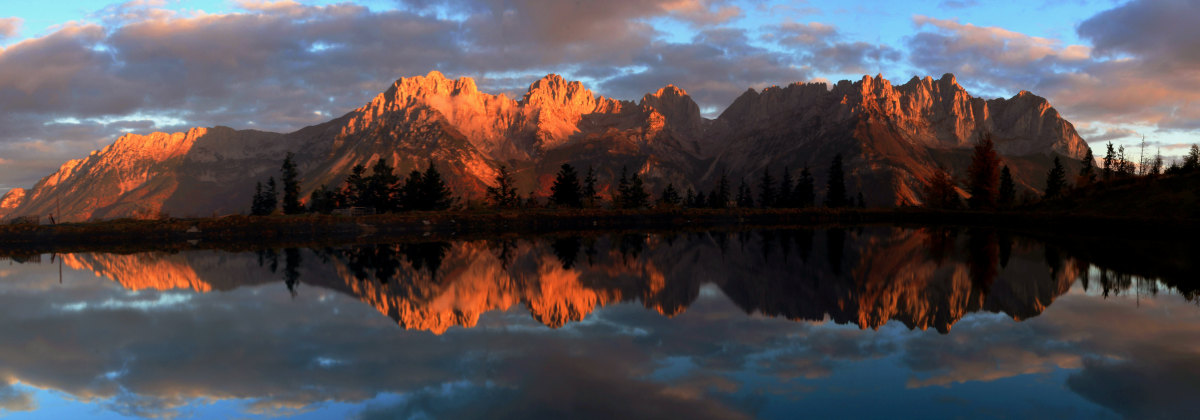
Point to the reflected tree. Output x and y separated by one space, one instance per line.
567 250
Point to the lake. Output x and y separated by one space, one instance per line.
849 322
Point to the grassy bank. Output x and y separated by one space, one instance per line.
245 231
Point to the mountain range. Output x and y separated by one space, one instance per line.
891 137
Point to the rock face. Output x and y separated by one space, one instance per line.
892 137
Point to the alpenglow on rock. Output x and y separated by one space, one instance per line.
891 138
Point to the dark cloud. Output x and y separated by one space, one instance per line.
824 49
1096 136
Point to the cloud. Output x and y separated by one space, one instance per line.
13 399
824 48
9 27
1096 136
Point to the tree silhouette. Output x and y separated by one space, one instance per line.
435 195
805 194
939 192
356 184
622 189
689 200
270 198
1008 190
1110 162
590 194
410 193
382 191
635 196
258 206
1056 180
835 188
291 186
766 190
322 200
566 192
786 190
745 198
503 195
1191 162
1087 174
670 197
983 174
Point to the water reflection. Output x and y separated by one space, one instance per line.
556 326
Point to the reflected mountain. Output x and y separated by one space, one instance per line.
923 278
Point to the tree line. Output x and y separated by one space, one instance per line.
383 192
991 185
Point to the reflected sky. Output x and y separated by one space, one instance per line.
864 323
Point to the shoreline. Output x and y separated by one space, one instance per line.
238 232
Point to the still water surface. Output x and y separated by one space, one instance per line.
833 323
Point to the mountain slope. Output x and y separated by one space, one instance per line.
892 138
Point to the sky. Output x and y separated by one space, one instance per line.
75 75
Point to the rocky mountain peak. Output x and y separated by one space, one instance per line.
11 200
680 111
553 91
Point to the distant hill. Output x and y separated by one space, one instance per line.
892 138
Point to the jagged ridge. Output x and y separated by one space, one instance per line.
892 138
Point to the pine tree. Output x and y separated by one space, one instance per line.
566 191
410 193
270 197
786 190
435 195
1191 162
669 198
1110 162
257 205
1056 180
590 194
766 190
805 194
719 197
356 184
1087 174
835 189
983 174
381 192
861 203
622 189
291 186
745 198
1008 189
503 195
635 196
689 200
322 200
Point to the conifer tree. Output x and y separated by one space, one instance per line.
1191 162
1056 180
590 194
1008 189
257 205
669 198
356 184
503 195
635 194
689 200
835 189
410 192
622 189
1087 174
435 195
382 191
745 198
805 195
766 190
566 191
861 203
786 190
939 192
322 200
1110 163
270 197
291 186
983 176
719 197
